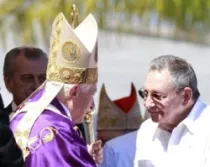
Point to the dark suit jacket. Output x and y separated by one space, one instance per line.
7 111
10 153
1 103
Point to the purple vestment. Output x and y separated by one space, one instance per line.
62 148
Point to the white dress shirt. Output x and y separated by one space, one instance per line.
120 151
184 147
14 107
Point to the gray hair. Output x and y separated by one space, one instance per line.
30 53
181 71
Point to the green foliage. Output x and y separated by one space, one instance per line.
187 15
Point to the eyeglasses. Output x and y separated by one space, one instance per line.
141 93
155 96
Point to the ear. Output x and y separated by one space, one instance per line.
8 83
187 95
74 91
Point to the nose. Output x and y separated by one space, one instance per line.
36 84
149 102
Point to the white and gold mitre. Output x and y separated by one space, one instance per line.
73 52
120 114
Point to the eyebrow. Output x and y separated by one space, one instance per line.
26 75
32 74
155 92
42 74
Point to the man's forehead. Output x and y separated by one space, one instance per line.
22 58
29 74
158 80
23 62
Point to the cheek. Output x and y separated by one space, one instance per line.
144 103
20 87
9 86
18 84
15 85
87 99
22 90
87 104
171 106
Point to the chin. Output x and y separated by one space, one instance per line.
155 117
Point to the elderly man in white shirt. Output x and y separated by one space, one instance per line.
178 131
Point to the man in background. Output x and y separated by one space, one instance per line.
10 153
24 71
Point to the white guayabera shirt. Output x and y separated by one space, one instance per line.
186 146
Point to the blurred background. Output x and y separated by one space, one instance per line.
132 32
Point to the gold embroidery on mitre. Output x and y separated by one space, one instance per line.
71 52
73 75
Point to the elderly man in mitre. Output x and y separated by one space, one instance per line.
44 123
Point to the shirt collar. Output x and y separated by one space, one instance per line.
190 120
14 106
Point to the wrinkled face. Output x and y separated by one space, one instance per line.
82 103
161 99
28 76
